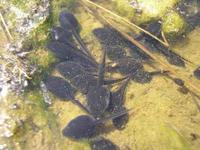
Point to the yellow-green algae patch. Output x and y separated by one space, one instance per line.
173 24
154 9
149 10
124 9
40 56
31 120
146 11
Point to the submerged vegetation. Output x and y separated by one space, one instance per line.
162 117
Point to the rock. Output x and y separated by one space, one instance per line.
173 24
143 11
20 19
124 9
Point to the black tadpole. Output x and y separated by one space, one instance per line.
69 22
62 89
116 105
197 73
77 75
66 52
101 143
117 97
61 35
101 69
172 57
183 89
98 96
84 126
65 37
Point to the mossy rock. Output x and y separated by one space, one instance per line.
43 59
173 24
25 5
150 9
153 9
124 9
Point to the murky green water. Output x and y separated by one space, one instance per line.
163 118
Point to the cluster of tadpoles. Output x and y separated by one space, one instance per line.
81 72
148 40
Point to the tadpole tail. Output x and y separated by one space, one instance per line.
162 72
124 85
83 47
112 81
169 53
113 116
79 104
101 68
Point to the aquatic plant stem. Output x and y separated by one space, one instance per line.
118 114
126 21
5 27
82 45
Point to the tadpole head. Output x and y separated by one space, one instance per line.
60 88
142 76
197 73
62 51
81 127
98 99
61 35
102 144
121 121
68 21
175 60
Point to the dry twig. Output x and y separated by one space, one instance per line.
5 27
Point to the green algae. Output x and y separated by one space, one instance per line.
172 139
43 59
173 24
25 5
152 10
124 9
40 56
35 124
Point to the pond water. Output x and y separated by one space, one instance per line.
163 113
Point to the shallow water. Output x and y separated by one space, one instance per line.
163 118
